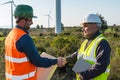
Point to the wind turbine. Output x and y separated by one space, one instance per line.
12 3
49 17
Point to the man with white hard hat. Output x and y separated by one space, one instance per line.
95 50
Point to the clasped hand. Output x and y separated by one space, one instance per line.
61 61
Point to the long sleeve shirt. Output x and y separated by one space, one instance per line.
102 59
25 44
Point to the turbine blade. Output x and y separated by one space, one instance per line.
49 12
13 3
50 17
46 15
6 3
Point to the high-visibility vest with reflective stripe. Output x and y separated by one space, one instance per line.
89 54
18 66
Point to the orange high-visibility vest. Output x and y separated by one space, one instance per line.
18 66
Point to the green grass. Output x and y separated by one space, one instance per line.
2 38
108 30
72 34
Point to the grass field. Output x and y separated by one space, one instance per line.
71 39
2 38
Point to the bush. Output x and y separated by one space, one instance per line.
115 68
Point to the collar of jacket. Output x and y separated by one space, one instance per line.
25 30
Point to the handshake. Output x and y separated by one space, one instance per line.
61 61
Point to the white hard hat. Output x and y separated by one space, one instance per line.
92 18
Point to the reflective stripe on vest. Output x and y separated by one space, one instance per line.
16 60
89 54
20 77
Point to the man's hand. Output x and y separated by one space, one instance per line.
80 76
61 61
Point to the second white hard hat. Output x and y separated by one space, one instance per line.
92 18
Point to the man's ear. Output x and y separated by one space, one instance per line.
96 27
22 22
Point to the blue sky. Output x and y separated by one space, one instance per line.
72 11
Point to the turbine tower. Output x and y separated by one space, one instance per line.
12 3
58 16
49 17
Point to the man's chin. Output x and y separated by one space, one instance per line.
86 36
27 27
